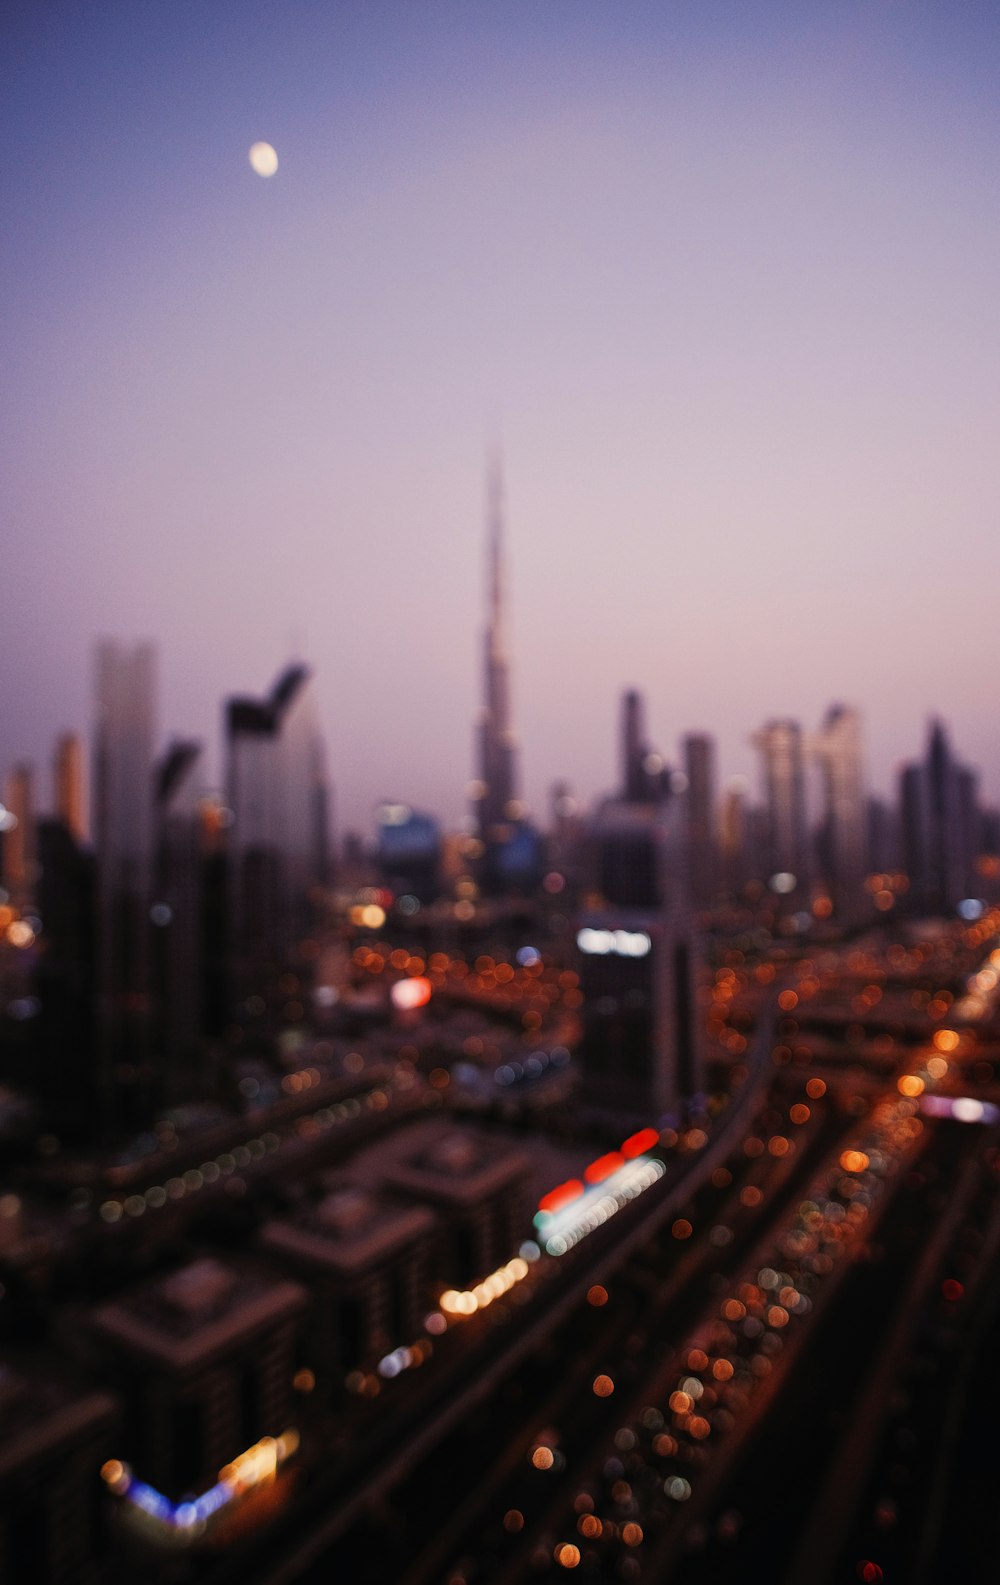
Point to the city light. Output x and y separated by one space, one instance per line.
623 943
407 995
189 1519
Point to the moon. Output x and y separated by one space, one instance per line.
263 159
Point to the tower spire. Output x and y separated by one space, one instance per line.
497 788
494 529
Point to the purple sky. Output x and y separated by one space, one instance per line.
724 277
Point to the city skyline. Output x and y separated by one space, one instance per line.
723 284
750 782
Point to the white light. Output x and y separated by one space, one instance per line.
394 814
783 882
623 943
8 820
966 1109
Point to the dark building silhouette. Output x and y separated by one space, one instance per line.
204 1358
55 1436
278 841
634 748
365 1257
123 835
640 1052
177 915
699 769
939 820
66 1073
477 1187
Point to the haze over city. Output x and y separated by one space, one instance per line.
720 279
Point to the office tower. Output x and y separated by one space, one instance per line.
734 838
496 805
633 746
19 834
178 919
68 784
641 1050
645 778
842 836
882 838
782 764
279 844
699 768
939 817
123 836
409 851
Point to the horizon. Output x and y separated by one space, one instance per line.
723 281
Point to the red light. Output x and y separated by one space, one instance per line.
604 1166
869 1572
951 1289
411 993
562 1194
638 1144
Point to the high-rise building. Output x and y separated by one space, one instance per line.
279 841
699 768
782 761
123 832
633 746
645 777
68 784
735 834
178 918
842 836
641 1050
939 817
497 809
19 833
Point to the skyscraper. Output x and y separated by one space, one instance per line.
67 781
123 757
641 1048
18 867
842 837
781 748
279 843
939 817
497 808
735 837
633 745
699 768
177 916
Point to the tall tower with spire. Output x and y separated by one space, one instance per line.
496 801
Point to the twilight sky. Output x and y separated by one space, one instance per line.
722 275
